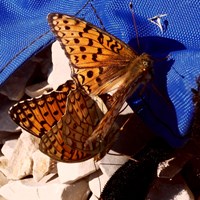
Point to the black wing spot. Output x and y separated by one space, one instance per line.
100 38
71 49
99 51
82 49
65 21
46 114
80 34
55 112
67 28
100 70
87 28
76 40
90 74
94 57
29 115
42 123
90 43
99 81
84 57
24 120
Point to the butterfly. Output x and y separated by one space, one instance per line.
63 120
100 63
39 114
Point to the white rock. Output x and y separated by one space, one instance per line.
111 162
8 148
93 197
43 190
165 189
171 167
71 172
3 179
41 165
20 164
97 182
61 71
4 165
37 89
108 165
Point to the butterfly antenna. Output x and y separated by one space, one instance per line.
134 23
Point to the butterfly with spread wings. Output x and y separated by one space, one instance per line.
63 120
100 62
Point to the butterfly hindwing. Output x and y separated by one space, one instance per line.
52 144
65 141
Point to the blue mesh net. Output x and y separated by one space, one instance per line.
24 32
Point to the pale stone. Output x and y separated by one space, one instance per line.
4 165
50 189
37 89
109 164
93 197
8 148
71 172
1 198
165 189
97 181
20 164
42 165
3 181
171 167
61 71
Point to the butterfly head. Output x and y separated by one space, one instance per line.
147 61
144 64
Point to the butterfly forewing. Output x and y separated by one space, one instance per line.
38 115
99 60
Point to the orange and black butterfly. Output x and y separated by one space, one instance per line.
100 63
63 120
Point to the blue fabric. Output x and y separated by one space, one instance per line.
24 31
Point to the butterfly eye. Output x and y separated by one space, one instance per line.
145 63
